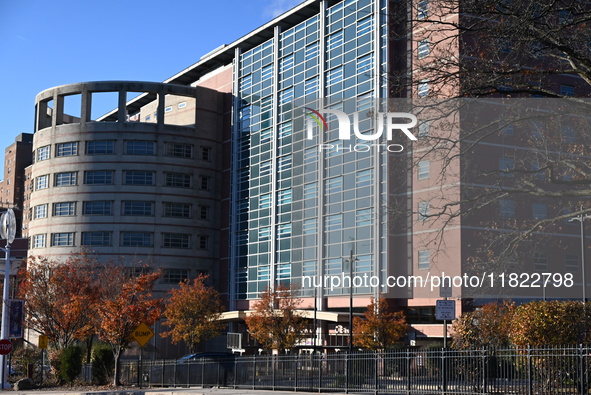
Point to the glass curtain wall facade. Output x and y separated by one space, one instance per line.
298 210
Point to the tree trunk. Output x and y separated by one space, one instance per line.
117 372
89 348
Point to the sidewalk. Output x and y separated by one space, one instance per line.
169 391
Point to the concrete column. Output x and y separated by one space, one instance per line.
41 116
58 112
160 110
122 108
85 106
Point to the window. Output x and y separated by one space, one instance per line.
540 261
137 239
334 222
168 109
135 207
42 182
507 209
286 96
264 233
364 26
43 153
572 263
177 180
203 212
175 276
364 64
64 209
39 241
140 148
179 150
182 104
265 201
177 210
100 147
176 240
423 171
423 88
203 242
424 258
40 211
334 76
567 90
424 129
423 48
206 153
265 168
309 226
266 72
311 86
283 231
284 197
310 190
364 178
96 238
99 207
66 149
506 165
311 51
363 217
334 185
286 63
423 211
284 163
539 211
334 40
138 177
204 182
98 177
65 179
423 9
62 239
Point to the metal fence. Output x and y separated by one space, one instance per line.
559 370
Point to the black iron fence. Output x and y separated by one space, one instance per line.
559 370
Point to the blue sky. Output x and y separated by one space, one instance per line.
49 43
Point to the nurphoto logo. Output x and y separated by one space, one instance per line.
389 122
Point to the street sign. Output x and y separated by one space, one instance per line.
142 334
5 346
445 310
42 342
8 226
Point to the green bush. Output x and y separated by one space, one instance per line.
103 363
71 363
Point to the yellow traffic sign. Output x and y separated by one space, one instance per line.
142 334
42 342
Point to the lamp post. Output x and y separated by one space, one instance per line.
581 218
7 231
351 260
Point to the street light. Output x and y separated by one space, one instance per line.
351 260
581 218
7 231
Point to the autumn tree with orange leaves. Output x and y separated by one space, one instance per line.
126 302
379 329
275 322
488 326
60 298
193 311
